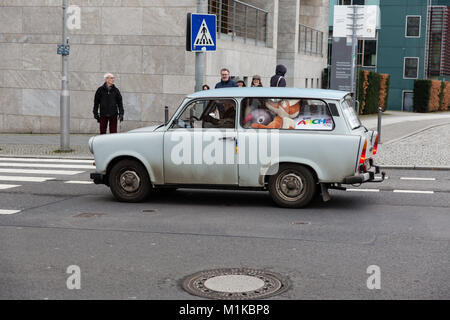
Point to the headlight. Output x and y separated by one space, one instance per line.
91 145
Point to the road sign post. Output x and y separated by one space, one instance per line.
200 38
64 50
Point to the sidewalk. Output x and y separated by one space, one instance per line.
407 140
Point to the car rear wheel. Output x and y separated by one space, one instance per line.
129 181
293 186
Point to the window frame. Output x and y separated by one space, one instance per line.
177 115
406 26
404 67
281 129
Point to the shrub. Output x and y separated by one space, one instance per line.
422 90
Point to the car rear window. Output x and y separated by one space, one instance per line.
286 113
350 114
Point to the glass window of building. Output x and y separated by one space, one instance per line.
413 26
352 2
411 68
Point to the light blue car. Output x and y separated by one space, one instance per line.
294 143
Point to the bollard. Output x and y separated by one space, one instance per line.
380 112
166 115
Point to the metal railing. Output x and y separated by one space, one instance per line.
310 41
237 19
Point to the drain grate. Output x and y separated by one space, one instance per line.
235 284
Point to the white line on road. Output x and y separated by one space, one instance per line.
79 182
29 171
364 190
419 179
414 191
9 211
24 179
8 186
46 165
47 160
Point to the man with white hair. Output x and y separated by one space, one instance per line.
109 100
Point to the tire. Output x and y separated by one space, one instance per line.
129 181
293 186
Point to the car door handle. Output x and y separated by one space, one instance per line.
227 138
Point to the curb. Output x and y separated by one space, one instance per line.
12 156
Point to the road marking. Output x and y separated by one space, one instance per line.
45 165
364 190
79 182
46 160
413 191
24 179
8 186
420 179
29 171
9 211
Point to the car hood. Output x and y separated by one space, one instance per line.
146 129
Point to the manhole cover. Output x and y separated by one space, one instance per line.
235 284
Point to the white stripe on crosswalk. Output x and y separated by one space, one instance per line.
30 171
9 211
46 160
8 186
79 182
46 165
364 190
419 179
24 179
413 191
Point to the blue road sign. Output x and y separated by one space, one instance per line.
202 32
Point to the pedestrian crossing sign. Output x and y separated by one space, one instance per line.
201 32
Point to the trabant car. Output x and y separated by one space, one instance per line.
294 143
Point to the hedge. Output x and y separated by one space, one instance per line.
373 90
431 95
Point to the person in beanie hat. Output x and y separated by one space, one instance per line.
256 81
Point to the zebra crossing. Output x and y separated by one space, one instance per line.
15 172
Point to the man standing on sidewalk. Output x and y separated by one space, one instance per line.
109 99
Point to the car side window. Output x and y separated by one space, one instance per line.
217 113
286 113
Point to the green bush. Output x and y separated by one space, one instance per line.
373 93
360 88
441 97
421 95
388 85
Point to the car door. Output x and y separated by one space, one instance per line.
200 145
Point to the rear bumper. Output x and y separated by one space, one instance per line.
98 178
372 175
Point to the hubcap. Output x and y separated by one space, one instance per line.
290 186
129 181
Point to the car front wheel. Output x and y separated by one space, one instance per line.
129 181
293 186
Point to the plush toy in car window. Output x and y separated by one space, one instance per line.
286 111
258 116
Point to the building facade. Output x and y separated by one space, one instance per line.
143 43
412 43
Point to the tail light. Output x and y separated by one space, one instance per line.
375 145
363 153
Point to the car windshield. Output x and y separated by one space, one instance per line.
350 113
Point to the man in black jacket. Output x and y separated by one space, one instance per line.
109 99
278 79
225 80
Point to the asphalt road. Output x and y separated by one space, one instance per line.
142 251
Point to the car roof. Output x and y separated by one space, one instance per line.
269 92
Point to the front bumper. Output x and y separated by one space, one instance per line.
98 178
373 174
